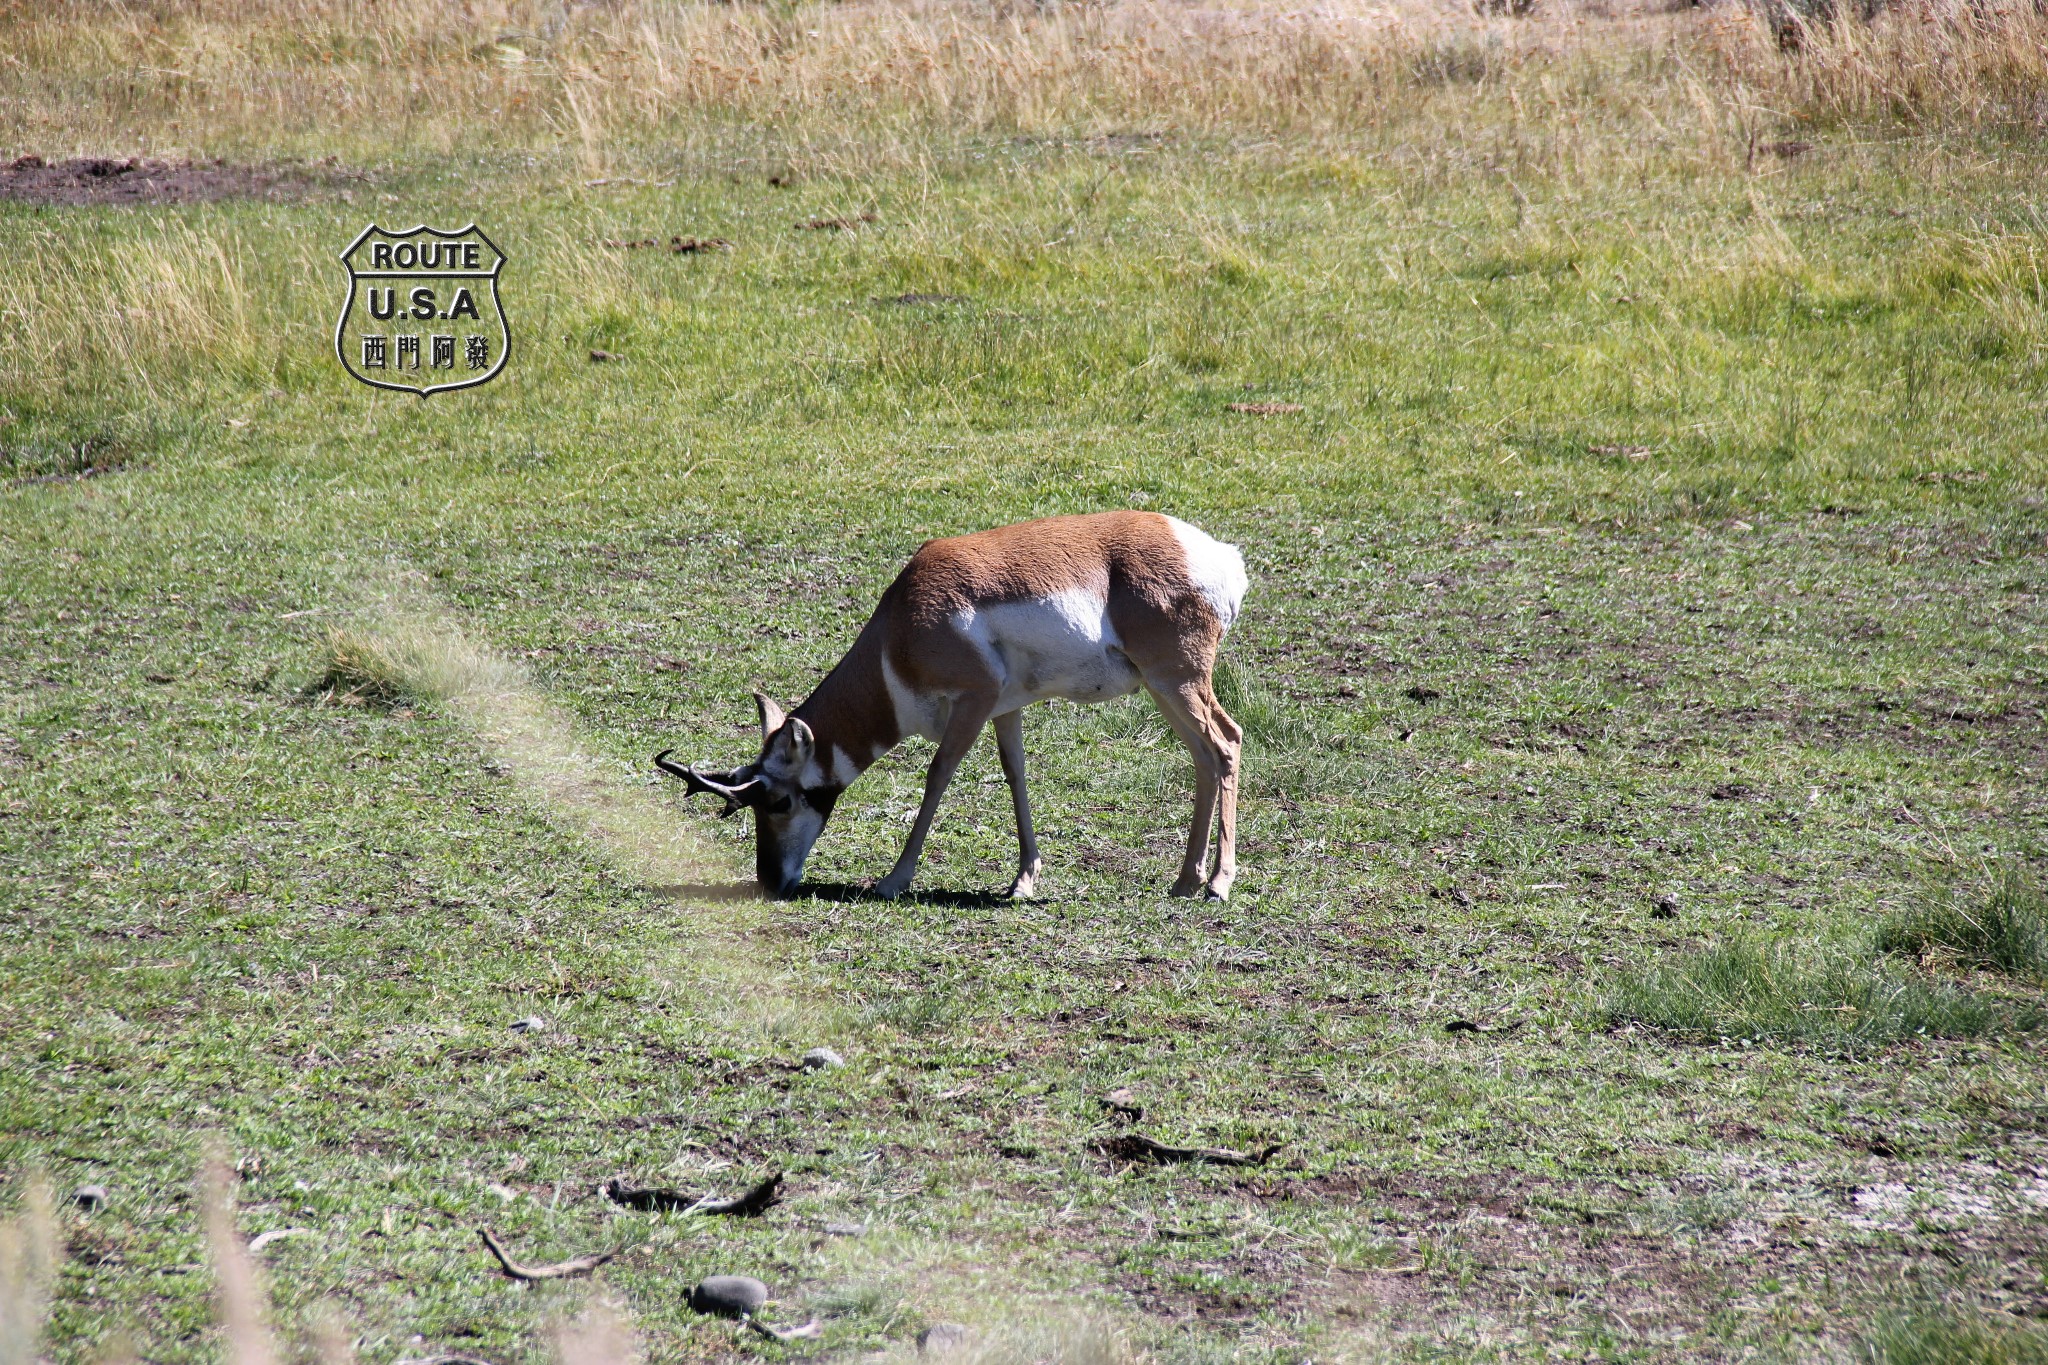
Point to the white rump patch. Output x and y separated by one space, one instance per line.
1216 569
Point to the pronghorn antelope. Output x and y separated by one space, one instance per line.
975 629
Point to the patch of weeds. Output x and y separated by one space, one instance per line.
1067 1341
874 1305
1708 1212
52 461
1284 753
1828 998
2008 932
1357 1247
1951 1338
1266 718
913 1013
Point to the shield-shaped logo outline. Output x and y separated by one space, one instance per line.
348 306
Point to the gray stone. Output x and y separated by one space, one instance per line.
823 1059
845 1229
91 1198
944 1338
729 1296
532 1023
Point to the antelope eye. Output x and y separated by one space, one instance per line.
780 805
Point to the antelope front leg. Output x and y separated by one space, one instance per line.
969 715
1009 728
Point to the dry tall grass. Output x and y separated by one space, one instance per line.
307 75
28 1265
239 1295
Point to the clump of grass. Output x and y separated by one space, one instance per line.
1949 1338
1830 997
2008 932
404 659
1266 717
361 669
1284 753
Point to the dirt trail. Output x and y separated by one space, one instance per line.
142 180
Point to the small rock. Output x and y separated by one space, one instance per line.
1461 897
1666 908
823 1059
944 1338
729 1296
532 1023
1123 1104
91 1198
845 1229
598 357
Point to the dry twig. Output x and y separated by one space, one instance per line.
1138 1147
652 1200
804 1333
562 1270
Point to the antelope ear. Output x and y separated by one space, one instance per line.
796 743
771 715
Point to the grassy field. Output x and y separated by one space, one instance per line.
1637 949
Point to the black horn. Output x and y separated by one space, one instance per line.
734 796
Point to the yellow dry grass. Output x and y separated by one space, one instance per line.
28 1266
310 75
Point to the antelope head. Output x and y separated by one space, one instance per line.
789 814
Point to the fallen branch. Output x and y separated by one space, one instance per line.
264 1239
653 1200
1138 1147
563 1270
774 1333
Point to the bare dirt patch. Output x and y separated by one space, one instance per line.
143 180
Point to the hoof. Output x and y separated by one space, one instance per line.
1186 887
1026 885
1219 887
889 888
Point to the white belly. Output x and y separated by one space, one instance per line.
1057 646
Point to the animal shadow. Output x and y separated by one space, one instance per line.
843 892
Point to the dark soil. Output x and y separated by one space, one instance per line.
138 180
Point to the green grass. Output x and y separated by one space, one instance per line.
2006 932
1953 1339
1832 996
1674 535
